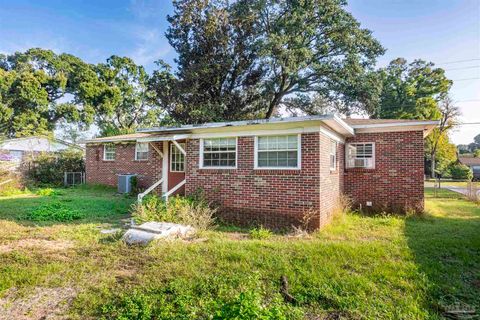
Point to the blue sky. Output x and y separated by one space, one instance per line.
441 31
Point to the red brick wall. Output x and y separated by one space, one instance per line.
331 182
105 172
396 182
273 198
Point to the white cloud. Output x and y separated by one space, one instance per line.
150 46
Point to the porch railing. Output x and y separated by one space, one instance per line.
144 193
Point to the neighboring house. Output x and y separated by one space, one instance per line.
16 150
272 172
473 163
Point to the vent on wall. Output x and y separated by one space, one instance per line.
125 183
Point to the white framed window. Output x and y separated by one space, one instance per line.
177 158
218 153
141 151
333 155
109 152
277 152
360 155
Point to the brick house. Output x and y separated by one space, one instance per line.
272 172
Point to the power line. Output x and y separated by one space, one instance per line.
469 100
459 61
464 79
461 68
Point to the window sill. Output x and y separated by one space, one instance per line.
278 168
277 171
140 160
360 169
103 160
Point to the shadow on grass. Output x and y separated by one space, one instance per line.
446 249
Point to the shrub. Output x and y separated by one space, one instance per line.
461 172
192 211
11 190
133 306
198 215
250 305
53 211
49 168
47 192
260 233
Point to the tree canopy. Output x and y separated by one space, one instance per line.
41 90
119 93
246 58
411 90
36 92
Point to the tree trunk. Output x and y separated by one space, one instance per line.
432 165
273 105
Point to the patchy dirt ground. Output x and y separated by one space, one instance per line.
39 244
40 304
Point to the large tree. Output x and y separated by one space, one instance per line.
36 92
218 74
244 59
411 90
119 94
440 152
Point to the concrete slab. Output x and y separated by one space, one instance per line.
149 231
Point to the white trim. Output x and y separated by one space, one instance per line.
140 196
105 153
396 124
200 164
332 135
164 138
148 151
357 143
299 154
272 121
179 147
335 154
109 140
160 153
252 133
178 186
165 167
171 160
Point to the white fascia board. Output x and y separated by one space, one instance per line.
331 134
239 123
164 138
251 133
397 124
344 125
94 141
425 126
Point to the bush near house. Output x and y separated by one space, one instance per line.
50 168
460 171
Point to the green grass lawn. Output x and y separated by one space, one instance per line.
383 267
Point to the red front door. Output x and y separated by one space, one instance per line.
176 167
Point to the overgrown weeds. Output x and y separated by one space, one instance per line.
260 233
194 211
53 211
